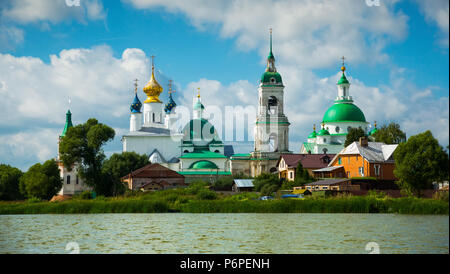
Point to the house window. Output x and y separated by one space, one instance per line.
348 174
337 129
356 157
76 180
361 171
325 188
68 179
291 174
340 161
377 169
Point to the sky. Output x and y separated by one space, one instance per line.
91 51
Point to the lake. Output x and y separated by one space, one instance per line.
224 233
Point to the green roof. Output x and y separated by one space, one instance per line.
308 146
312 135
343 80
343 112
68 123
268 75
203 154
199 105
203 164
373 131
323 132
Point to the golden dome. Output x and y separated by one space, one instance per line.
153 89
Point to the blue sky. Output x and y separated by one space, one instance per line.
397 58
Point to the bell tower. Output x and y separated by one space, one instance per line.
272 126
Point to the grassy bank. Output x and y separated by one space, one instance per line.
198 200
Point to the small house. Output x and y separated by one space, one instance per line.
153 177
241 185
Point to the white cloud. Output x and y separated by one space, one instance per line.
436 12
10 37
312 33
55 11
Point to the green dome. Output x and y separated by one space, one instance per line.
312 135
344 112
268 75
323 132
203 164
197 129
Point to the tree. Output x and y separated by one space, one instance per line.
117 166
353 135
301 175
390 134
267 183
419 162
9 183
83 144
41 181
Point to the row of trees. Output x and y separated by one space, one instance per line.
388 134
83 145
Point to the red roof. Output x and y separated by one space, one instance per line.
308 160
153 171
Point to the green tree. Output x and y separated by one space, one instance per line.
41 181
83 144
267 182
353 135
301 175
390 134
117 166
9 183
419 162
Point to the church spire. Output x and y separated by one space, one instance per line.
271 59
68 123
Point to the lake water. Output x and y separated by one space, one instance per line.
224 233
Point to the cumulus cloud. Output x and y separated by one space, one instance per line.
55 11
437 12
312 33
43 13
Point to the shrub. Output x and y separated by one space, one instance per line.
85 195
205 194
34 200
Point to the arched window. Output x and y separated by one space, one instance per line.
337 129
153 117
272 80
68 179
186 151
273 104
273 142
348 129
216 151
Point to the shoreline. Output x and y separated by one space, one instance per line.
355 204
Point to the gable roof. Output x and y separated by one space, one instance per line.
374 152
153 171
307 160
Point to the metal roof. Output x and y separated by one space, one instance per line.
244 182
374 152
325 169
328 182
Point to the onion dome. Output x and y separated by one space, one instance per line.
271 76
199 129
323 131
171 104
374 130
153 89
136 105
344 112
313 134
68 123
199 105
